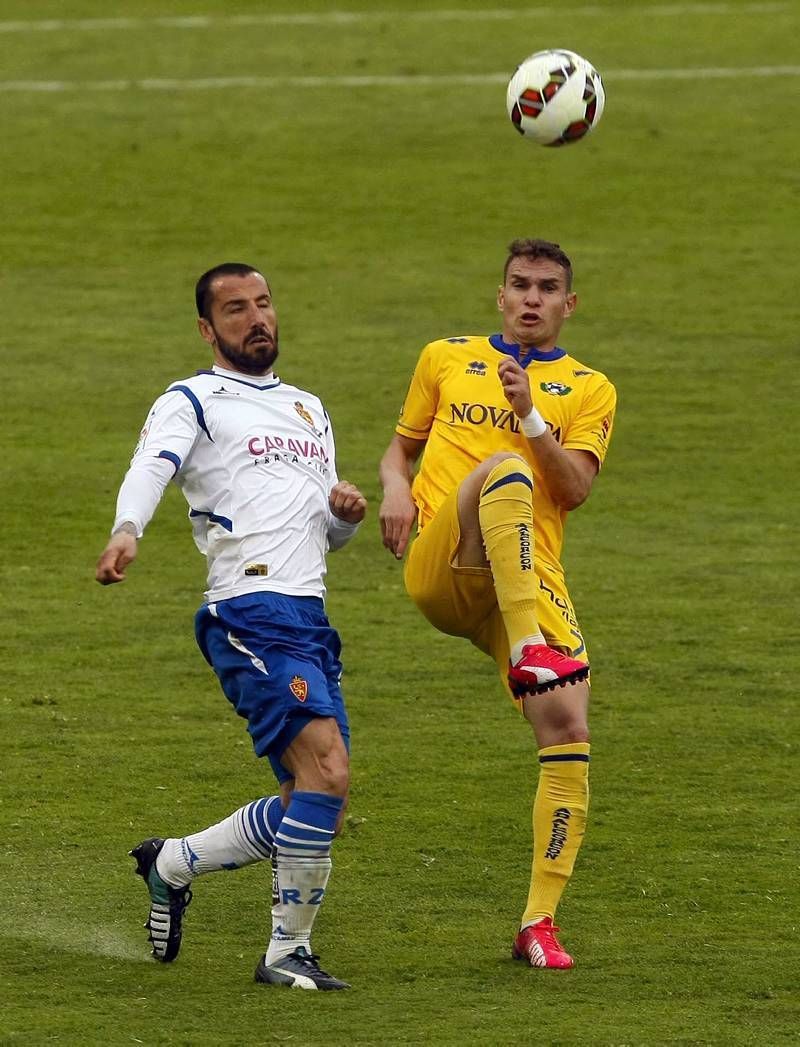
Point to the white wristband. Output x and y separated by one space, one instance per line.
534 424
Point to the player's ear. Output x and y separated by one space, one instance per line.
501 298
569 304
206 330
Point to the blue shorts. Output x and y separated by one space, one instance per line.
277 659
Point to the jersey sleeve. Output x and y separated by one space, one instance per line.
167 438
339 531
422 399
171 429
591 428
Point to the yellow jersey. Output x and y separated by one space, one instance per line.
456 403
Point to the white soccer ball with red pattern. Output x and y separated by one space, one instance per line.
555 97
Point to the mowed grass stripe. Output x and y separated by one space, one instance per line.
355 17
389 80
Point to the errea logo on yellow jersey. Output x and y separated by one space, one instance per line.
477 367
555 388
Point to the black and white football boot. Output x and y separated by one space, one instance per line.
298 970
167 904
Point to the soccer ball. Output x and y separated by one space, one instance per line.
555 97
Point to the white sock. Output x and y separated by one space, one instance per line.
301 884
242 838
302 866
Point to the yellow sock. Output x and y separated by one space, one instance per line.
559 822
505 510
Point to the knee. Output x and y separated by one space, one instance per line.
574 732
318 758
339 781
561 734
508 459
502 456
558 721
505 466
492 469
564 732
333 774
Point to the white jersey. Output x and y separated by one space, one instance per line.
255 460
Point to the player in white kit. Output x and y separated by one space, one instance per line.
255 460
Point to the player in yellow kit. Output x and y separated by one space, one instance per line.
514 431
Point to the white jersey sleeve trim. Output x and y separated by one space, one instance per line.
172 427
196 406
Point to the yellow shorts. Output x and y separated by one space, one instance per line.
461 601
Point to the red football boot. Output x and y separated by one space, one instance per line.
539 946
542 668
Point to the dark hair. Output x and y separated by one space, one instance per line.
534 249
202 292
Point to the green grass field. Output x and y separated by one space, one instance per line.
381 215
